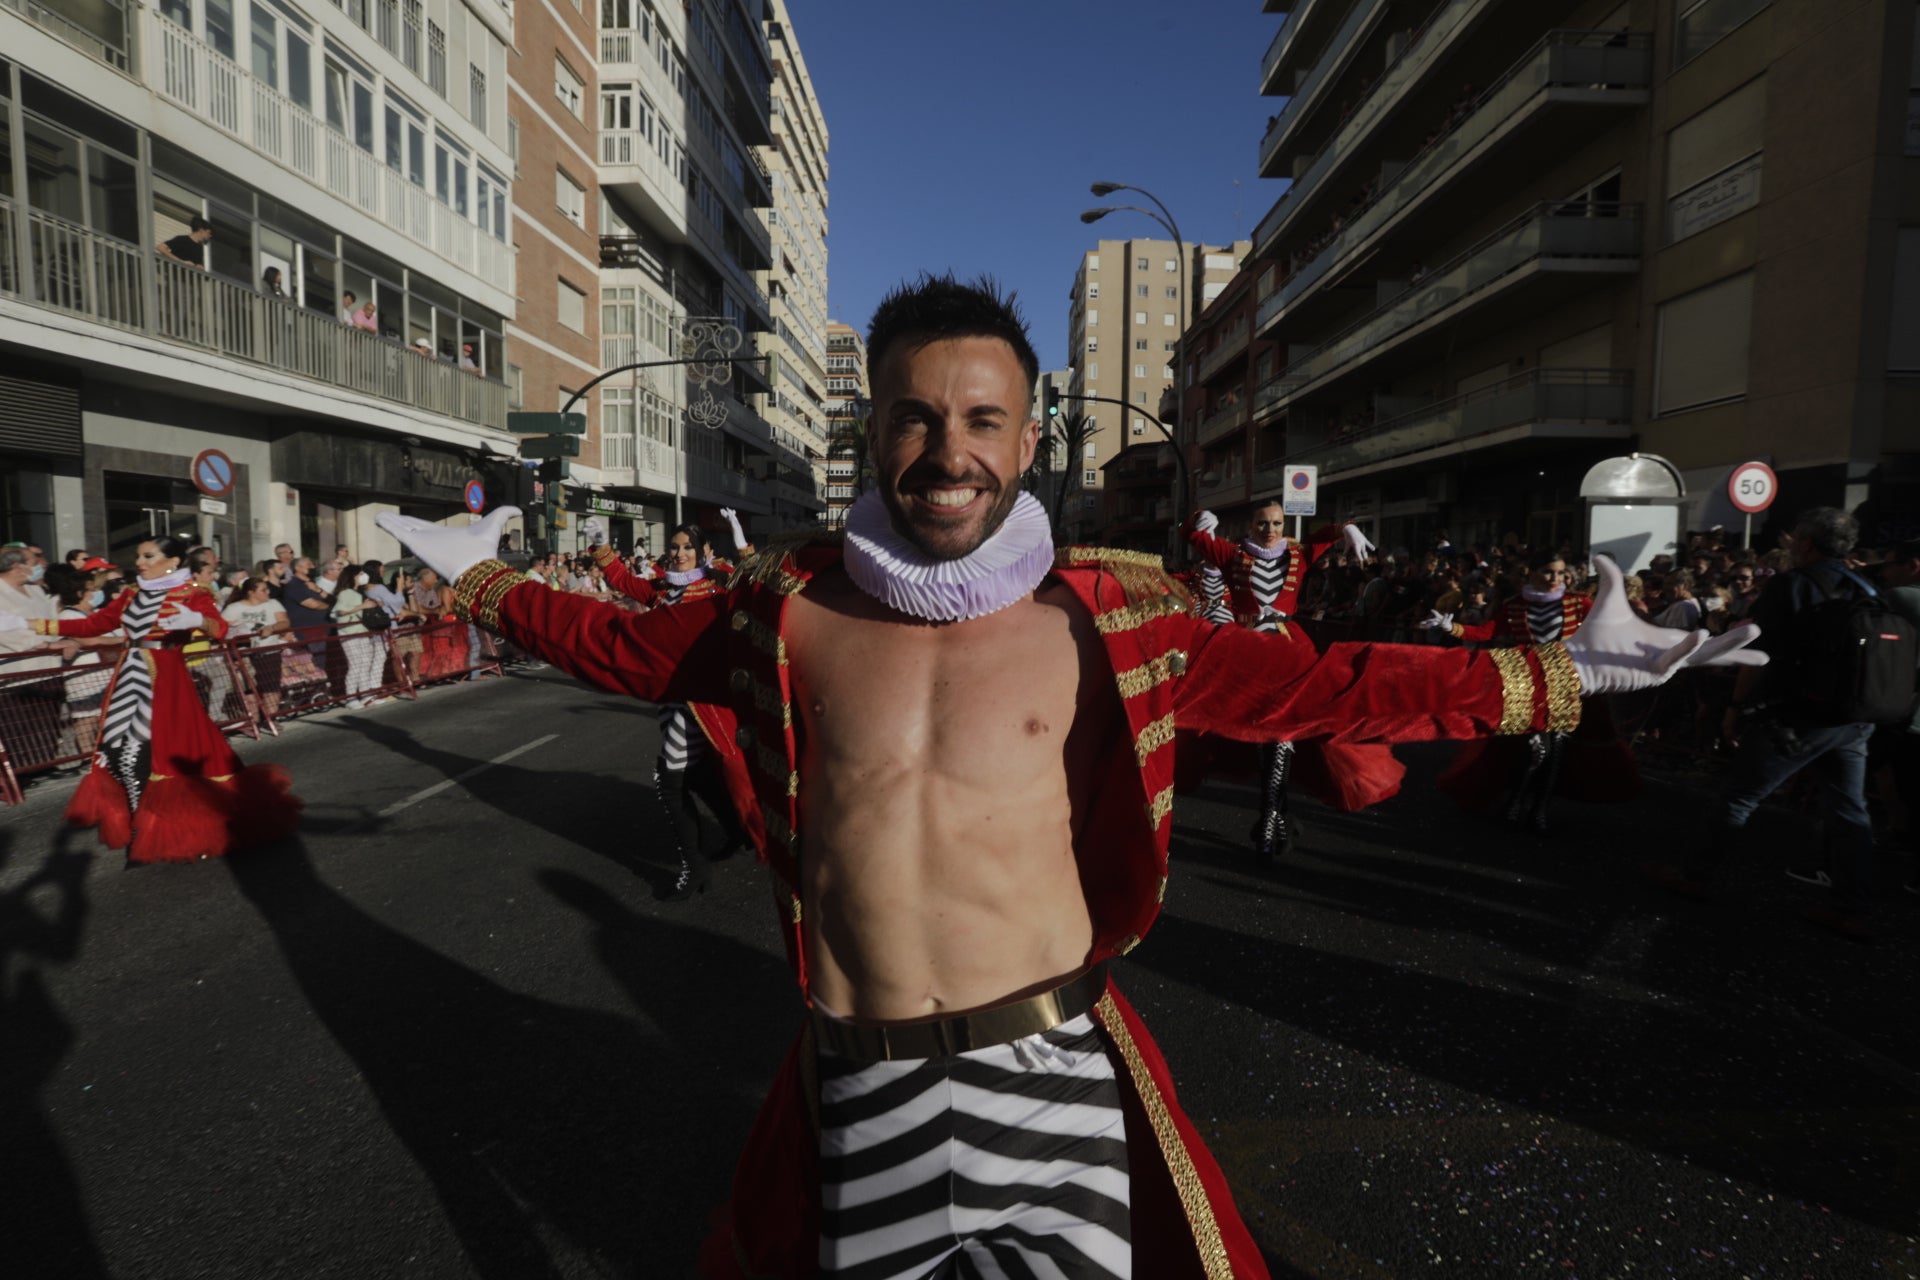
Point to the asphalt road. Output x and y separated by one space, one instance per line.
447 1032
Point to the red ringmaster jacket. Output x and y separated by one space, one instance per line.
1511 625
1255 586
726 657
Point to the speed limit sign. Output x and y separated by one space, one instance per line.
1752 487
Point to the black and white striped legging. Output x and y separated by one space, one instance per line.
682 744
1005 1161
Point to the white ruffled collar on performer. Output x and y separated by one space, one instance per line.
1003 569
685 577
166 581
1535 595
1259 552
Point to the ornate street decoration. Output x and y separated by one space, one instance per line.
709 344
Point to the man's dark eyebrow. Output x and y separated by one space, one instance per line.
986 411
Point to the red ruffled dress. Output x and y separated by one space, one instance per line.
165 785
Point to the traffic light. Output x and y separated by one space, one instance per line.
1053 401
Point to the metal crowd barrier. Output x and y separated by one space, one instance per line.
50 714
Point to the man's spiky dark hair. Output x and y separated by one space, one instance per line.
936 307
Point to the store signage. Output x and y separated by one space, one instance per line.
1733 190
213 506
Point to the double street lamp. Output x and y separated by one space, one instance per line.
1165 219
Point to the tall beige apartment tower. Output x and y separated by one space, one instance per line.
847 401
1128 305
796 164
1524 235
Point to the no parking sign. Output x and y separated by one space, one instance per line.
1301 494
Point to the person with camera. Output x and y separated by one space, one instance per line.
1842 661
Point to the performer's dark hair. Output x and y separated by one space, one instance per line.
170 547
936 307
1543 557
695 534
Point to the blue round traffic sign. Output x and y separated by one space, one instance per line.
1299 479
476 496
213 473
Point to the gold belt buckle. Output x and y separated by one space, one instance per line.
944 1037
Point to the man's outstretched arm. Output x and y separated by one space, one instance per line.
665 655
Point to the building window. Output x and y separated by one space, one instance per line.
1173 265
1713 162
570 197
516 383
1139 344
1093 262
477 95
1139 397
513 144
386 24
1139 317
1169 319
1089 478
567 87
1093 317
1169 347
1140 290
1701 24
1093 342
1140 264
1093 291
410 18
1139 426
1139 371
1093 370
1092 450
436 58
1173 291
571 306
1702 346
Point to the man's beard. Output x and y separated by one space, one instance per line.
947 542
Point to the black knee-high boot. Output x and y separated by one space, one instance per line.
706 780
1548 781
670 785
1272 834
1538 746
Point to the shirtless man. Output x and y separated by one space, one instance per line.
954 749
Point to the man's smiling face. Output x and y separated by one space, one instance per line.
952 437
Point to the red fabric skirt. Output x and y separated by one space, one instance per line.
1343 775
199 800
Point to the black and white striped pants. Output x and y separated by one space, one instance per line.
1008 1161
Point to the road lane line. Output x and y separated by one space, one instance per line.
459 778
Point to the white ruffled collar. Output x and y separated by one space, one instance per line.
166 581
1536 596
1259 552
684 577
1003 569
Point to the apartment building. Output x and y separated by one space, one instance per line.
1229 365
1124 348
354 148
685 95
796 165
848 401
553 344
1524 235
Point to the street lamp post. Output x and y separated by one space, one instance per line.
1165 219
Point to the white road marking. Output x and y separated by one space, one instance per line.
457 779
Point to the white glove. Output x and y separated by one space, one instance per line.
185 620
649 570
594 530
1616 650
733 522
1358 544
1437 621
1206 522
13 622
449 552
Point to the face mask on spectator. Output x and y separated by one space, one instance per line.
96 599
38 572
359 579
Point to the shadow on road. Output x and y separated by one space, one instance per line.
43 1222
558 1139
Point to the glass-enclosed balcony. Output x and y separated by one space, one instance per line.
1233 342
1286 41
52 263
1334 59
1567 68
1221 423
102 29
1546 404
1552 239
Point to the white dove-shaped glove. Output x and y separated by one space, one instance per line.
1206 522
1616 650
1437 621
185 620
447 551
594 531
733 523
1357 542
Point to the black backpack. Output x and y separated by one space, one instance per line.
1859 659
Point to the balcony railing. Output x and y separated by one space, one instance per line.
731 484
1339 49
1222 424
1564 59
115 48
80 272
617 45
1233 486
1282 43
1273 391
1543 235
1598 398
1231 344
198 78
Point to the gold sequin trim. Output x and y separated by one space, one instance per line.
1186 1179
1563 688
1158 810
762 637
604 555
1160 894
1154 735
478 593
1516 690
1115 621
1154 673
1068 556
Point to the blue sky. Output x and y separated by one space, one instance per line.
964 135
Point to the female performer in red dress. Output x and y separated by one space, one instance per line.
164 784
1262 574
685 768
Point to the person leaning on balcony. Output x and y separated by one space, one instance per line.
364 318
189 247
270 283
466 358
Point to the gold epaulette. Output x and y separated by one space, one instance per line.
767 566
1141 574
